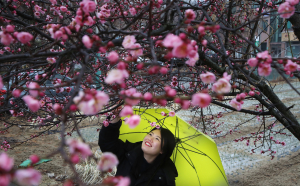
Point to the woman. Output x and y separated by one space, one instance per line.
148 162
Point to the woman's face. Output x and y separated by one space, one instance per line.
152 143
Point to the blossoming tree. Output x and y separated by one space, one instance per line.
66 60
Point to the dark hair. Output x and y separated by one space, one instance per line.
168 144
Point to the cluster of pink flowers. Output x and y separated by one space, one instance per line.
190 15
263 60
237 102
24 177
153 124
134 48
78 148
181 47
222 86
174 82
132 96
107 162
38 11
287 9
58 32
5 145
289 66
104 13
91 101
8 36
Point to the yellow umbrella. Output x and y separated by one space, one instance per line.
196 155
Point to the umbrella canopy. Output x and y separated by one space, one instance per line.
196 155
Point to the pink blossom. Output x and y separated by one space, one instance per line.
208 77
78 147
251 93
87 41
181 51
172 41
252 62
34 159
24 37
6 39
105 123
88 6
33 85
53 2
51 60
201 99
163 113
128 41
204 42
16 93
293 2
127 110
147 96
63 9
185 104
33 104
136 50
192 60
116 76
133 93
265 56
117 181
113 57
5 179
290 66
6 163
28 177
237 105
153 124
286 10
190 15
133 121
89 21
124 181
10 28
1 83
132 11
221 86
107 162
91 103
171 113
226 76
201 30
264 69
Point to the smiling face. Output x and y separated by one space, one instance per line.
151 145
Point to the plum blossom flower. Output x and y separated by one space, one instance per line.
24 37
133 121
78 147
190 15
127 110
290 66
116 76
113 56
51 60
171 113
192 60
117 181
16 93
28 177
132 93
107 162
87 41
221 86
181 51
91 102
6 163
6 39
88 6
236 104
208 77
33 104
252 62
264 69
136 50
286 10
34 85
128 41
5 179
264 56
1 83
201 99
172 41
293 2
132 11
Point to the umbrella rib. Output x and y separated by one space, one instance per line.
192 165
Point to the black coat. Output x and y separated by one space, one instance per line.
127 154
